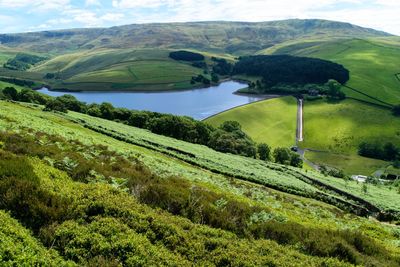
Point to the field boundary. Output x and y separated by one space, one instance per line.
364 94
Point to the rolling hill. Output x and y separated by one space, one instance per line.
135 57
339 128
115 194
221 37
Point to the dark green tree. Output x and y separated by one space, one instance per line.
264 151
390 151
335 90
10 93
56 105
214 78
396 110
295 160
282 155
107 110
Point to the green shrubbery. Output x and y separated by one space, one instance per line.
23 61
95 223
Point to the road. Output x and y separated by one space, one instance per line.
299 135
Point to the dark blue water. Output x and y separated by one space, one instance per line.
196 103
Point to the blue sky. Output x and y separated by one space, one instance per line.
37 15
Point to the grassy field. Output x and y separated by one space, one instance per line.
372 63
349 163
270 121
119 69
341 127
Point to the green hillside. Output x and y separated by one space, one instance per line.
135 57
105 193
372 64
221 37
270 121
341 127
112 69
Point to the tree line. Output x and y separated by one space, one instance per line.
290 69
387 151
228 137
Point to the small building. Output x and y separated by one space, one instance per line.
359 178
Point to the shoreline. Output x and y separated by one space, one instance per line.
197 87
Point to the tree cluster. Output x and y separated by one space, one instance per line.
23 61
387 151
221 66
25 95
283 155
186 56
285 69
200 79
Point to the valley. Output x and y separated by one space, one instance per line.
200 144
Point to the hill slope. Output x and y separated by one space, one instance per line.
116 195
230 37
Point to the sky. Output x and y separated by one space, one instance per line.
39 15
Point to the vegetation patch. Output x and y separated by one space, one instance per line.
289 70
186 56
23 61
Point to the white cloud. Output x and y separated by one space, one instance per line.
92 3
112 17
35 5
141 3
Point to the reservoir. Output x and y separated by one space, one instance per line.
197 103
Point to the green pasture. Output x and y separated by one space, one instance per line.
270 121
340 127
349 163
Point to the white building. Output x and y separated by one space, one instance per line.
359 178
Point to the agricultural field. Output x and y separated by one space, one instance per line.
271 121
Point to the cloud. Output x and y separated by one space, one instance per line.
113 17
35 5
380 14
92 3
140 3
